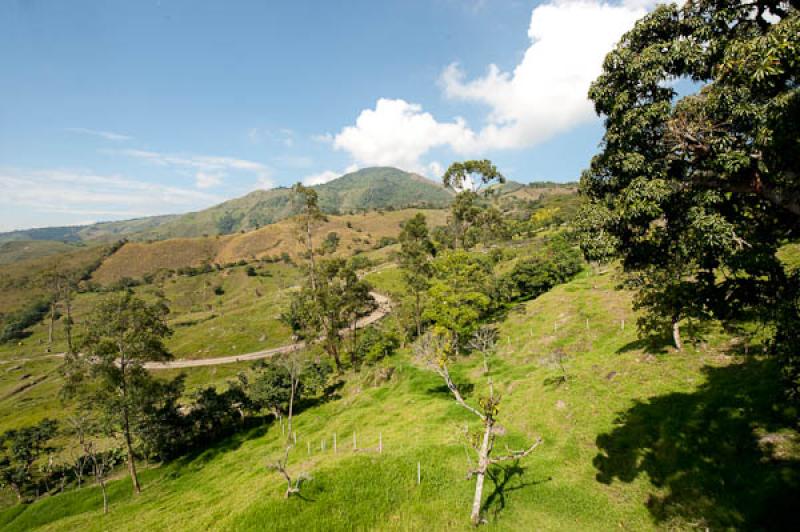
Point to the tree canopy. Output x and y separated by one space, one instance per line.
705 184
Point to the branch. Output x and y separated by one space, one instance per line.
454 389
516 455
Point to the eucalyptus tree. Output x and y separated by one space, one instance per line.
468 180
416 253
310 217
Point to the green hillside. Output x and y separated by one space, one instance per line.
367 189
633 440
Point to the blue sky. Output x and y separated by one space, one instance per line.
118 109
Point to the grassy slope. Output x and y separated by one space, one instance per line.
366 189
20 281
138 258
632 441
23 250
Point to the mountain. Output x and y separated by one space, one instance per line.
366 189
101 231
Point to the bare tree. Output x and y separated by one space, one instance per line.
294 364
435 349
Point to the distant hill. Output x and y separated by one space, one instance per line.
102 231
366 189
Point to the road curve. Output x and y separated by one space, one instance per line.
384 307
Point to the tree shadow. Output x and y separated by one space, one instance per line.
465 388
724 456
654 345
506 478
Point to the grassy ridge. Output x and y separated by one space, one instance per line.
358 232
633 440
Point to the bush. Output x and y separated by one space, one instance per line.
14 324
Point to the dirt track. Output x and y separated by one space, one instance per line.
384 307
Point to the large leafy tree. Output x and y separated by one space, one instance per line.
108 373
703 186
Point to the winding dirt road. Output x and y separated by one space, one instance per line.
384 307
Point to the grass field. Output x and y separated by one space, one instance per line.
633 439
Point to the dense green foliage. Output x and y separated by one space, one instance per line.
698 193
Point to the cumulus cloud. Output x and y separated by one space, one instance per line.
327 176
399 133
320 178
544 95
210 169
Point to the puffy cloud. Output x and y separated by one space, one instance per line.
398 133
320 178
327 176
544 95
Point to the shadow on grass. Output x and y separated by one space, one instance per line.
723 456
466 389
506 479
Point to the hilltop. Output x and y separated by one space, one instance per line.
363 190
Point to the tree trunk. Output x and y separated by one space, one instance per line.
105 495
483 466
676 333
52 323
68 320
418 314
131 459
313 272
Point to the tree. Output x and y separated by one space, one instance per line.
436 349
19 450
120 335
86 429
460 293
416 252
323 308
307 200
294 365
270 387
467 179
708 184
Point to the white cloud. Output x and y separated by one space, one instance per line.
207 180
320 178
398 133
544 95
108 135
85 193
327 176
210 170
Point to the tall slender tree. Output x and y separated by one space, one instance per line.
416 252
307 201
